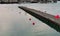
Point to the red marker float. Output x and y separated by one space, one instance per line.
57 17
33 23
29 18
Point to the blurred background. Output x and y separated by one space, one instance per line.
30 1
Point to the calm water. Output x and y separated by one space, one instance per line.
15 22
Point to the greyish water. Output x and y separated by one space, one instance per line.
15 21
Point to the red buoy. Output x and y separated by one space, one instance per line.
29 18
57 16
33 23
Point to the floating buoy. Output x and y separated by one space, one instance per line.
29 18
33 23
57 16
